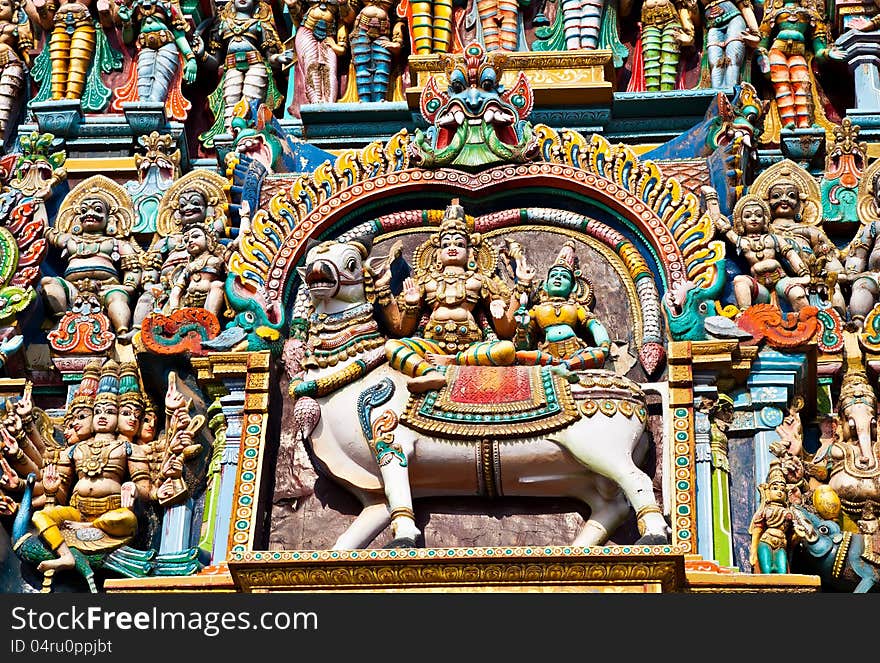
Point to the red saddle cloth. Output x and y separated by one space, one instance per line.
493 402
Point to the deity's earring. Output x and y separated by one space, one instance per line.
77 229
798 217
111 227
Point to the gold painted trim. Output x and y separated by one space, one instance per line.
476 571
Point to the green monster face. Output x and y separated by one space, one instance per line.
559 283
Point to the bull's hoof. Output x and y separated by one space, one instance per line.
402 542
653 540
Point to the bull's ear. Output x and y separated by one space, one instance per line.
310 244
364 245
302 272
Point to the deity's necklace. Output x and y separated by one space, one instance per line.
99 456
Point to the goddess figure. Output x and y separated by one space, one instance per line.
245 41
454 274
158 29
729 26
77 44
662 37
790 31
15 40
199 283
93 230
763 250
319 43
565 298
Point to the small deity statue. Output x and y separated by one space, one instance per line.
789 449
94 483
75 40
158 29
244 40
793 32
93 231
454 274
564 307
199 284
196 199
795 211
663 35
862 266
375 43
763 250
729 27
430 24
772 527
15 40
319 43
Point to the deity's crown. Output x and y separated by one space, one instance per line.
855 388
567 258
775 473
108 386
129 386
454 220
88 388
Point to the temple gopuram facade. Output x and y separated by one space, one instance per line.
422 295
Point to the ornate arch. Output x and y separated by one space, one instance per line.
656 208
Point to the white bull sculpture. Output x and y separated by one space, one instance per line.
593 459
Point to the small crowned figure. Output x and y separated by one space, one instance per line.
772 527
563 308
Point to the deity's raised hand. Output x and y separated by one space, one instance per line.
24 406
173 398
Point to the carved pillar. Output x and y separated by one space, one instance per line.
703 457
774 380
863 56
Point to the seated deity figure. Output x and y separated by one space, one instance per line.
197 198
763 250
199 284
565 297
93 231
105 475
453 276
158 29
862 266
793 198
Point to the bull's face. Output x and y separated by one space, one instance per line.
334 272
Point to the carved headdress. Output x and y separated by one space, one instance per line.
582 288
211 186
788 172
129 386
108 386
88 388
120 209
747 200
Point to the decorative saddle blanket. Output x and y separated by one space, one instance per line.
493 402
